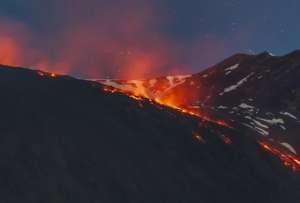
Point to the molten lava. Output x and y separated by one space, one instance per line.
45 74
288 158
139 92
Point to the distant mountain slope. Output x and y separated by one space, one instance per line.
260 93
68 140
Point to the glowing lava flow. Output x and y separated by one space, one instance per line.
45 74
141 95
289 159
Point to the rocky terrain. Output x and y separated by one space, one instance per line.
258 93
69 140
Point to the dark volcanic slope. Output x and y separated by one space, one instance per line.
65 140
260 92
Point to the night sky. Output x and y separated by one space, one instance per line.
140 38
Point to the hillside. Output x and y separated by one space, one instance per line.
69 140
257 93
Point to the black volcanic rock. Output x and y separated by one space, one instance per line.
67 140
260 92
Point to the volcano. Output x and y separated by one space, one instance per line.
259 94
70 140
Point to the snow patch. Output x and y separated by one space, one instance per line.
257 129
289 115
270 53
273 121
282 127
257 122
257 126
231 68
246 106
238 84
289 147
222 107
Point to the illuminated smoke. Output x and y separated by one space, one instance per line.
91 39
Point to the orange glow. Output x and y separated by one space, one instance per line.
10 51
198 137
45 74
225 139
140 93
288 158
53 75
124 41
124 46
172 104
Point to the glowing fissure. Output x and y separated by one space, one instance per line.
288 158
140 93
45 74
